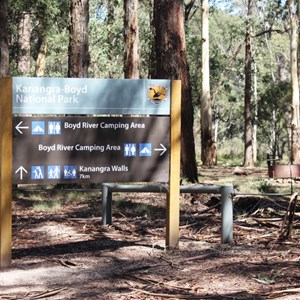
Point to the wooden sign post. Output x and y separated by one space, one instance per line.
172 227
5 171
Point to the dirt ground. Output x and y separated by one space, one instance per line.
63 252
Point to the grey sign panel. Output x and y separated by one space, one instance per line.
90 96
90 149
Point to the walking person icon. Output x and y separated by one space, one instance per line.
37 172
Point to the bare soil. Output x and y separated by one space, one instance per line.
65 252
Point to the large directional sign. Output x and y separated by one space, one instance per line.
90 149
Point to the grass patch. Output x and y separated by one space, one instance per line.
138 209
47 206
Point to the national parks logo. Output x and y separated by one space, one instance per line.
157 93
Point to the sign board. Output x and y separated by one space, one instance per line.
90 149
90 96
93 147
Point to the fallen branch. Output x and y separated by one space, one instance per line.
274 294
287 224
173 296
248 228
47 294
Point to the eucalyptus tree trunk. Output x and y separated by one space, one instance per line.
24 34
131 57
4 52
295 155
248 130
255 118
79 57
110 19
40 64
171 63
208 145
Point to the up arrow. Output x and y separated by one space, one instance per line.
19 127
21 170
163 149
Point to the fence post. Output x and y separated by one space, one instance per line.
106 205
226 213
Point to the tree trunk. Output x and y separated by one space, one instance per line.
110 19
295 155
131 57
255 118
171 63
208 145
24 34
4 52
248 153
79 58
40 65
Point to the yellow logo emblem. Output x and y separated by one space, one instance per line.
157 93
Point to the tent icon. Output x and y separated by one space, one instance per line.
145 149
38 127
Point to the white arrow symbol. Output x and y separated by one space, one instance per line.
18 127
163 149
21 170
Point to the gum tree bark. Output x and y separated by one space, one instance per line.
171 63
248 130
79 58
40 65
295 155
208 145
24 34
131 56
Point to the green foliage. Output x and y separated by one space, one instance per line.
274 116
266 187
47 206
106 40
230 152
227 34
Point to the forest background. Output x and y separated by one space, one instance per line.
235 59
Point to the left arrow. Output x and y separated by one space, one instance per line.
21 170
19 127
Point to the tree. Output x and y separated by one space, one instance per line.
208 146
295 157
24 35
40 65
79 57
131 32
171 63
4 52
248 152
